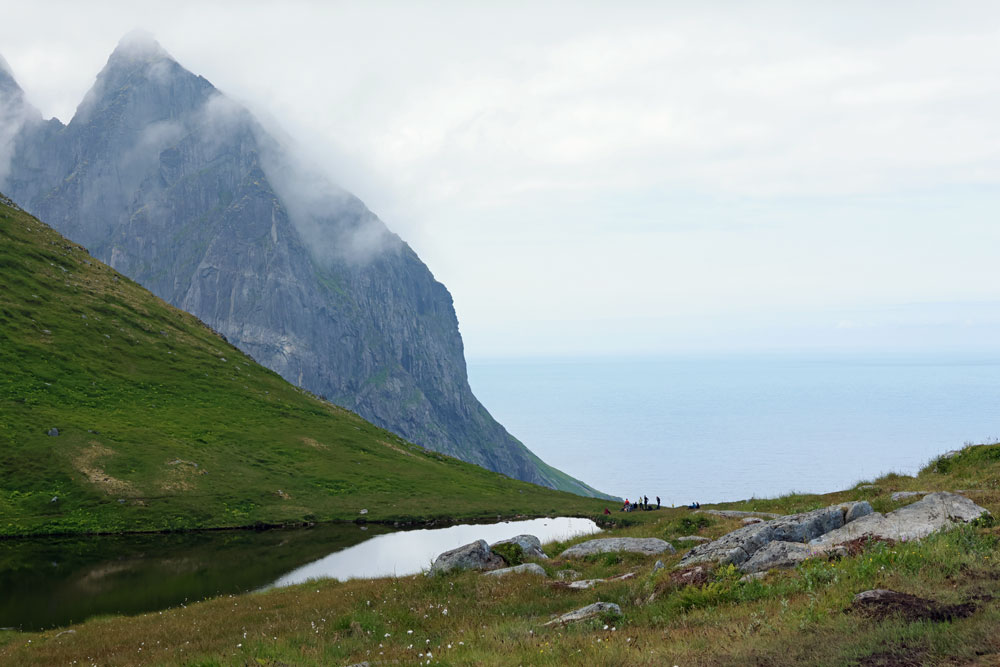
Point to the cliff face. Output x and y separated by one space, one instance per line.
165 179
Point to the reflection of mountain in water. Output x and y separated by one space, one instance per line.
56 581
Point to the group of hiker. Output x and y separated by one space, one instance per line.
641 503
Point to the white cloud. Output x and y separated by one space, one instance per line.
586 163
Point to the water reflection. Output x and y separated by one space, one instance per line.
47 582
411 551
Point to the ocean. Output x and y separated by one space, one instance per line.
712 429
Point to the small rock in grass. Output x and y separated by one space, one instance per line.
530 568
564 575
903 495
588 612
53 432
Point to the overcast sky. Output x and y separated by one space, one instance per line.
588 178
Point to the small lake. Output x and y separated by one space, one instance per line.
49 582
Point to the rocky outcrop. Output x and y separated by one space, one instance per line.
740 545
472 556
934 512
588 612
903 495
778 554
531 546
649 546
165 179
529 568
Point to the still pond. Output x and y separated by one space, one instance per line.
49 582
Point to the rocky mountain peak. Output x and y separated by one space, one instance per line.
139 46
8 84
141 73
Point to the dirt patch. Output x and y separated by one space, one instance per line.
692 576
85 462
396 448
856 546
180 474
902 656
309 442
881 604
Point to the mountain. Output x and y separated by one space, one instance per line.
119 412
176 186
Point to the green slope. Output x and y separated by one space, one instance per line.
164 425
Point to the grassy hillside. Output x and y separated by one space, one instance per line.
164 425
802 616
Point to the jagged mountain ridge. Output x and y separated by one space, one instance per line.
171 183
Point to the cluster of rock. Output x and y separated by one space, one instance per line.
479 555
789 540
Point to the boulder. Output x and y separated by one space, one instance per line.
531 546
740 545
584 613
777 554
692 538
567 575
936 511
530 568
473 556
658 565
903 495
649 546
750 520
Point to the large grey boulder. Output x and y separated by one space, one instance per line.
643 545
740 545
934 512
584 613
530 568
778 554
473 556
531 546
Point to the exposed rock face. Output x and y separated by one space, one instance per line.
934 512
643 545
740 545
473 556
588 612
161 176
531 546
903 495
777 554
530 568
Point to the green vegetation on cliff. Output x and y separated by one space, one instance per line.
162 425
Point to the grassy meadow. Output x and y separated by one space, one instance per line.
798 616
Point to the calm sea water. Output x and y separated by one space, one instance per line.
715 429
